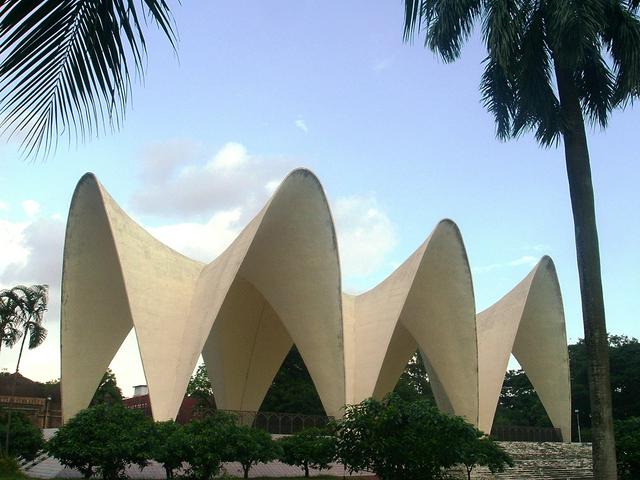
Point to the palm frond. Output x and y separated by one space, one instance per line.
498 97
595 86
502 29
446 23
66 66
573 26
451 26
37 334
536 104
622 37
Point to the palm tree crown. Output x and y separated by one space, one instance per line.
596 41
22 311
66 65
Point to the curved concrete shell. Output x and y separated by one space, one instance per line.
278 284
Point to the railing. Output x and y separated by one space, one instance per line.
526 434
280 423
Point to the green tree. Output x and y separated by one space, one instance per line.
550 64
628 447
31 306
624 353
484 452
414 381
102 440
108 390
292 389
308 448
208 444
401 440
169 445
25 439
200 388
66 65
250 446
519 403
9 317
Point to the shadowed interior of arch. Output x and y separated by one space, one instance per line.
246 348
519 403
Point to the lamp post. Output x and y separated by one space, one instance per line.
46 411
578 423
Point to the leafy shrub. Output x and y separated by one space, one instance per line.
483 451
102 440
9 468
208 444
25 440
169 445
397 439
251 446
628 447
309 448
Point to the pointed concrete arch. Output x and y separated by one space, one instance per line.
427 303
286 259
116 276
528 322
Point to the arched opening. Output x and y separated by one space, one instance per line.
414 383
292 389
519 403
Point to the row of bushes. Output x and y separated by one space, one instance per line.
393 438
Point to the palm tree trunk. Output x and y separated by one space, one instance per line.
587 249
13 393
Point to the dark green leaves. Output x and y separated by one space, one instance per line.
596 41
66 65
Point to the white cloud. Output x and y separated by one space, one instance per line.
302 125
196 189
201 241
4 207
230 157
12 245
31 208
365 235
34 255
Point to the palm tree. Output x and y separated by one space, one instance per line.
66 65
9 313
28 317
550 64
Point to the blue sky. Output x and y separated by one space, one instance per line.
399 140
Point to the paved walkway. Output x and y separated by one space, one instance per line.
51 468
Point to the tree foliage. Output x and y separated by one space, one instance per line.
400 440
250 446
628 447
108 390
169 445
208 444
22 311
519 403
66 65
292 389
483 451
25 440
414 381
308 448
102 440
597 41
200 388
624 354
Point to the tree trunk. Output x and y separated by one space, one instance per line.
595 331
13 393
245 469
